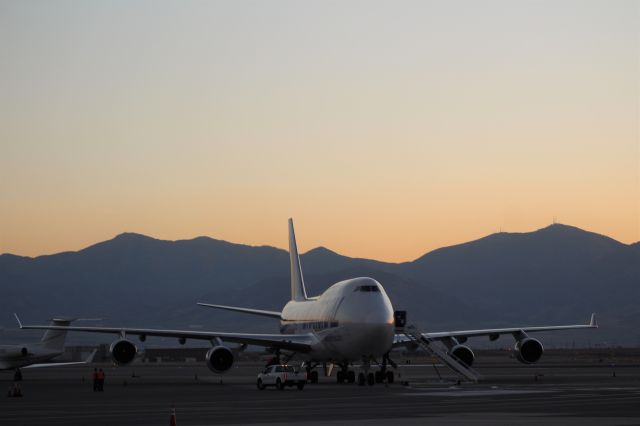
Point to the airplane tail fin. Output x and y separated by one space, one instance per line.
54 339
298 291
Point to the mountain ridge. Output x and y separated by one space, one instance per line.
558 273
129 236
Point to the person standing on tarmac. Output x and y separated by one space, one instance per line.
95 380
101 380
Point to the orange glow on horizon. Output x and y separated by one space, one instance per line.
399 131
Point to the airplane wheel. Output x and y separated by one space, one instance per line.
351 376
260 384
300 385
313 377
361 379
279 385
390 377
371 379
340 377
379 376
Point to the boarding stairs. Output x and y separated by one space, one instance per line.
436 349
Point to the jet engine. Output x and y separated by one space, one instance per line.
123 352
464 354
219 359
528 350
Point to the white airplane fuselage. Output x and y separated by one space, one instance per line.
16 356
352 320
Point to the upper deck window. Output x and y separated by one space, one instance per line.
368 288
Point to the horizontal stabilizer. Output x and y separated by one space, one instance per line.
271 314
89 360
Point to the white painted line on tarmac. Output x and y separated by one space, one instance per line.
489 392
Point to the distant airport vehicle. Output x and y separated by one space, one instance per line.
281 376
352 321
38 355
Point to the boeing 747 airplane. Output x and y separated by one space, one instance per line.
351 322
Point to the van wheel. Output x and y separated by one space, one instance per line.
279 384
260 384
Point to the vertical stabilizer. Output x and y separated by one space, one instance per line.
54 339
298 291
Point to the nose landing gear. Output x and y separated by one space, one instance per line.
384 374
366 376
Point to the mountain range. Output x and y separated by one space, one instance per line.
557 274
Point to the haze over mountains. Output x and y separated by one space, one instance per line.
558 274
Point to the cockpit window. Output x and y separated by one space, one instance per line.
368 288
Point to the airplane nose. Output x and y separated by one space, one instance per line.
381 314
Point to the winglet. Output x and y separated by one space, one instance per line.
593 322
89 359
18 319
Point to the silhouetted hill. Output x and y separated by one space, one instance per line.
556 274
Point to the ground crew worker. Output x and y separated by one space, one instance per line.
95 379
101 380
15 391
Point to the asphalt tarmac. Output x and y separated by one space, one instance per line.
509 394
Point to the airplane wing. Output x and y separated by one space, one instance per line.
89 360
271 314
492 333
294 342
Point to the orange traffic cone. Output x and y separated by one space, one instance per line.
172 418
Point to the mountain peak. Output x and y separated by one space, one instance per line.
561 227
132 236
321 251
126 239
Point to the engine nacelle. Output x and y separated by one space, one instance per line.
464 354
219 359
528 350
123 352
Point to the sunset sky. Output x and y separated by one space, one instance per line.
384 128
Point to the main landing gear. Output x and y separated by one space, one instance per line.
345 375
312 375
366 378
366 375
